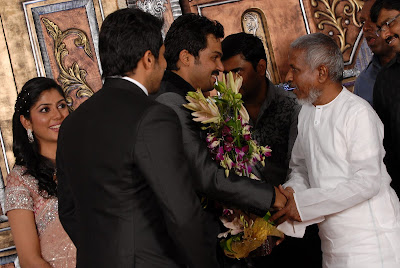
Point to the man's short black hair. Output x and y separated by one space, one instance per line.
380 4
125 36
189 32
250 46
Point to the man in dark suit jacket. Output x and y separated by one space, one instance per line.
125 194
193 53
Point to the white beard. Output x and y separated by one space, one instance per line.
312 97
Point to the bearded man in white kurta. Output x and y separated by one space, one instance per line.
338 177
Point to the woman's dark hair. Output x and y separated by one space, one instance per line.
189 31
27 154
125 36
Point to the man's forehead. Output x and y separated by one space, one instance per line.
366 9
385 15
236 61
296 53
213 42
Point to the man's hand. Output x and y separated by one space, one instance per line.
280 200
289 212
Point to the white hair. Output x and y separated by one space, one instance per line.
320 49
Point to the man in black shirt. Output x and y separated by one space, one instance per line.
386 100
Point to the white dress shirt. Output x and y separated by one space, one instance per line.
340 180
136 83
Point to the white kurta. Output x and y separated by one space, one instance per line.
340 181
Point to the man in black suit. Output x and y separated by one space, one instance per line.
193 53
125 193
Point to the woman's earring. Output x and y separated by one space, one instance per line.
30 135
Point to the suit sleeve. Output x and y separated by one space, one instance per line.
241 192
66 204
159 154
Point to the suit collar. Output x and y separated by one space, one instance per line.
119 83
142 87
172 82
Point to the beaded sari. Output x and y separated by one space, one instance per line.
22 192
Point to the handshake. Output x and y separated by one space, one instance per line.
285 206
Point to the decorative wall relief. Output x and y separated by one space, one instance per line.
168 10
64 38
71 78
8 95
254 22
154 7
339 19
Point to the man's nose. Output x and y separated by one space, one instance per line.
369 26
385 34
220 66
289 77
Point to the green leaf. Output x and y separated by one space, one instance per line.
238 96
226 244
267 216
231 123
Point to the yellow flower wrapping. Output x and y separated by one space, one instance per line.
254 236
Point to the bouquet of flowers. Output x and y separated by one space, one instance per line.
230 144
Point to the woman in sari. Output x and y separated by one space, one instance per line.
31 193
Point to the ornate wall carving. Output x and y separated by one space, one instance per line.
255 23
338 19
7 100
281 22
71 78
64 38
159 8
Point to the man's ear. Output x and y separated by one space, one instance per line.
323 73
26 123
261 67
184 57
148 60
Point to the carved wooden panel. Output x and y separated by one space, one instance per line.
338 19
282 23
64 39
8 96
254 22
169 10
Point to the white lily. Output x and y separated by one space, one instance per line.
244 114
234 84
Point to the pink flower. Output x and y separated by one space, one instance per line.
226 130
228 145
246 129
210 137
266 150
213 144
241 151
220 154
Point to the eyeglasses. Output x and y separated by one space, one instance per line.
386 25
